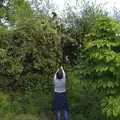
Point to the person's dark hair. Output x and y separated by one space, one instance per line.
59 74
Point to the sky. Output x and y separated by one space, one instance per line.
108 4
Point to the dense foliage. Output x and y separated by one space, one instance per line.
32 45
100 63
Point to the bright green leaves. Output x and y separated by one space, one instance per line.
2 12
31 46
2 53
111 106
102 60
108 84
38 42
19 10
106 28
102 44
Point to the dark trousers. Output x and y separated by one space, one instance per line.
60 104
58 115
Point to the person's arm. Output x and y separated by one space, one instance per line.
63 72
55 74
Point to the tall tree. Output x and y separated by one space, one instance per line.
101 61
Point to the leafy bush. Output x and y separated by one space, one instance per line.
35 103
100 62
26 117
84 99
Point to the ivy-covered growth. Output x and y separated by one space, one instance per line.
29 49
101 62
36 43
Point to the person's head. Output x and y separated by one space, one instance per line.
59 74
